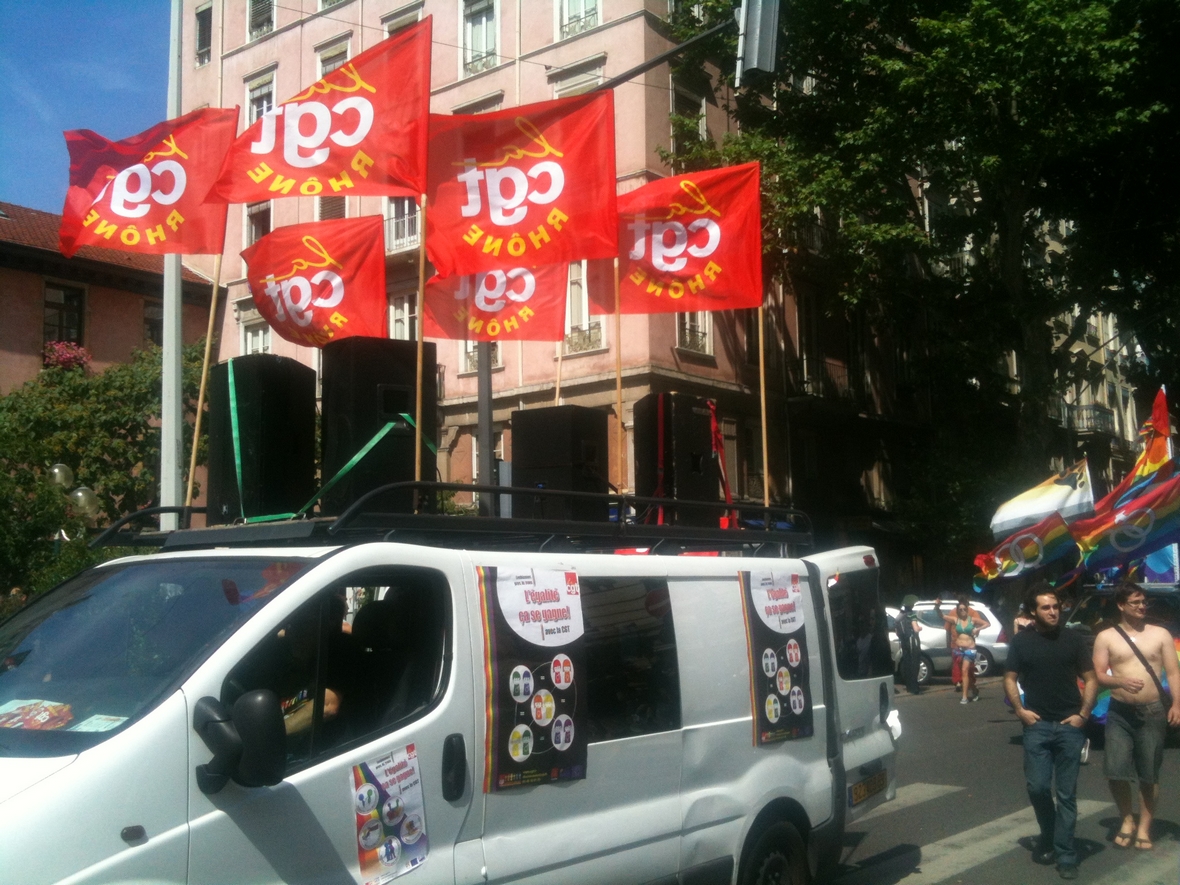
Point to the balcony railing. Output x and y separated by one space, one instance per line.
480 62
580 340
401 232
471 362
1092 419
693 339
830 379
579 24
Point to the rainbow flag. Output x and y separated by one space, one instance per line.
1133 529
1071 495
1154 465
1032 548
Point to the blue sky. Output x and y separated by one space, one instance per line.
74 64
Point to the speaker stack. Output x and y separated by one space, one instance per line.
674 456
368 382
275 406
560 447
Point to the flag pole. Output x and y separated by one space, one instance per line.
557 389
619 434
192 463
421 348
762 394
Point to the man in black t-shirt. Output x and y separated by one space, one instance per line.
1048 661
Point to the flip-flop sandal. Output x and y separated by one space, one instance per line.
1123 845
1144 844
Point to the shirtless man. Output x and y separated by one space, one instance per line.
1136 725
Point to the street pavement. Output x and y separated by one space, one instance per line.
962 814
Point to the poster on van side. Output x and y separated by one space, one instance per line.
536 705
390 815
780 680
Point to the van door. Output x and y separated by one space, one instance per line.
371 708
863 677
620 823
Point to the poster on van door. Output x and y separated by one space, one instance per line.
780 681
536 674
390 815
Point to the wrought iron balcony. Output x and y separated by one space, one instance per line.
401 232
693 339
582 339
1092 419
480 62
578 24
471 363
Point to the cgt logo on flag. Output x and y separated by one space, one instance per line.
693 242
523 187
518 304
317 282
361 130
146 193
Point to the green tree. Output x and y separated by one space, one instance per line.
103 426
947 147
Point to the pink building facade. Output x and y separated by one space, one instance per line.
487 55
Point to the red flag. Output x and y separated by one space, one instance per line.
692 242
519 304
360 130
321 281
146 193
530 186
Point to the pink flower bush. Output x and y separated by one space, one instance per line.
65 355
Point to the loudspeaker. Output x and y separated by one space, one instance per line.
674 455
560 447
275 407
368 382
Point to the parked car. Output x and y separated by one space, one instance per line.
936 654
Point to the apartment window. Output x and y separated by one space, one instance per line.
479 35
204 34
257 221
688 111
262 18
583 78
328 208
255 338
482 105
153 322
401 224
328 4
578 16
400 18
403 316
64 309
260 95
332 58
581 332
470 356
694 332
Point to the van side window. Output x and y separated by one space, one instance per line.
859 627
634 679
365 656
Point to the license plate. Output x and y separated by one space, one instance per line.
868 788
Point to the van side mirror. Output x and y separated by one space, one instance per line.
258 717
248 743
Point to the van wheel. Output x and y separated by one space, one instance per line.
925 669
777 857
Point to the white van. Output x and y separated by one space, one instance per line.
218 714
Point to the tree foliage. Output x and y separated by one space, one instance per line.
980 168
103 426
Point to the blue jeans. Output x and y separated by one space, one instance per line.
1054 750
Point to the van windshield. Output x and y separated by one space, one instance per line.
87 658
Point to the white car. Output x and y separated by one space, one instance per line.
935 659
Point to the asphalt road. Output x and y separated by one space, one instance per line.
962 814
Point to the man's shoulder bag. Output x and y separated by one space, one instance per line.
1165 695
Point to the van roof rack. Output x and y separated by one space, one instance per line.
751 530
